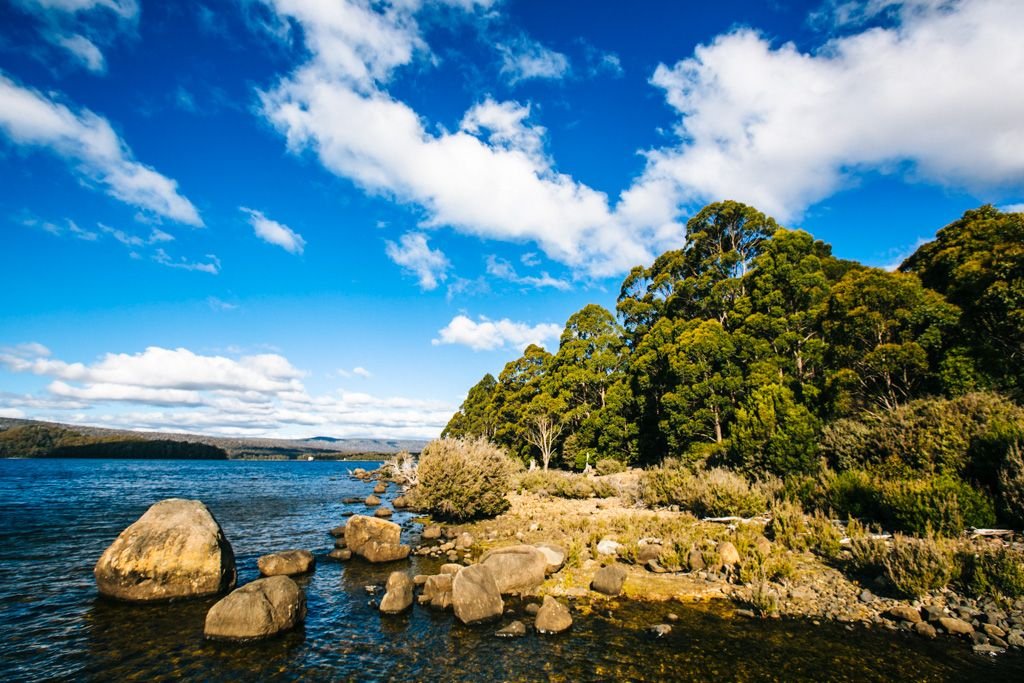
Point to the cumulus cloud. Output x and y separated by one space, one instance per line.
488 335
97 154
524 58
179 389
272 232
84 50
937 96
1012 208
414 255
504 270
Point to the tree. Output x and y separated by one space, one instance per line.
773 434
475 417
590 355
544 422
518 384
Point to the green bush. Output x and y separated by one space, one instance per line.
461 479
941 504
564 484
788 525
823 537
1011 486
992 572
916 566
712 493
853 494
609 466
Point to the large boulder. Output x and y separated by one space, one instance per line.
374 539
259 609
553 616
287 563
727 554
175 550
609 580
554 554
437 591
475 595
398 597
516 568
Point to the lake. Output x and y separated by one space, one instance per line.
57 517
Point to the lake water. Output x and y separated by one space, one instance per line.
57 517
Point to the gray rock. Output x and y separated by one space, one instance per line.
553 616
554 554
340 554
516 568
475 595
514 630
259 609
609 546
175 550
648 552
932 612
904 613
437 591
923 628
955 626
287 563
609 580
398 597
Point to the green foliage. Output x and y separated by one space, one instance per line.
916 566
564 484
712 493
773 433
992 572
461 479
1011 486
609 466
53 441
788 525
475 417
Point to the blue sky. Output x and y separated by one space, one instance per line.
294 217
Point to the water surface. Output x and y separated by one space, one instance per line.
57 517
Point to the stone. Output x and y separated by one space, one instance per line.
763 545
904 613
661 630
923 628
286 563
338 531
359 472
695 561
400 503
450 568
932 612
609 580
340 542
465 540
175 550
554 554
993 630
516 568
376 540
748 613
383 512
608 546
340 554
648 552
727 554
955 626
987 649
431 532
653 566
371 501
384 552
532 609
866 596
419 579
552 617
672 616
475 595
1016 640
398 595
437 591
259 609
380 488
514 630
351 500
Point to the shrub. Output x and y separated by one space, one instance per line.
941 504
867 553
763 599
462 479
714 492
773 433
823 537
852 494
564 484
609 466
992 572
1011 486
916 566
788 525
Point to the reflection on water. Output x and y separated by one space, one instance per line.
56 517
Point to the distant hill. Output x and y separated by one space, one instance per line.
37 439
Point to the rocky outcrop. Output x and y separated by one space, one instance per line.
287 563
517 568
609 580
553 616
398 597
475 595
175 550
376 540
437 591
259 609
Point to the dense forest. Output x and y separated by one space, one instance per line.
54 441
755 349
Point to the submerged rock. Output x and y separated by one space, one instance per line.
400 502
398 597
287 563
340 554
609 580
259 609
380 488
175 550
475 595
371 501
375 540
431 532
383 511
516 568
553 616
514 630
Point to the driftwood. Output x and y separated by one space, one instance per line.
975 533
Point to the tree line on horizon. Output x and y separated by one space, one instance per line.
754 348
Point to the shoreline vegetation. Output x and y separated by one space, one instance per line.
35 439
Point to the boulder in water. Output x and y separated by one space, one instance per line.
259 609
431 532
398 597
371 501
175 550
383 512
380 488
287 563
475 595
553 616
516 568
437 591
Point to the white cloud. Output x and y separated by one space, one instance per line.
940 93
362 372
87 140
272 232
218 304
84 50
178 389
524 58
414 254
14 413
501 268
211 265
1012 208
76 26
488 335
